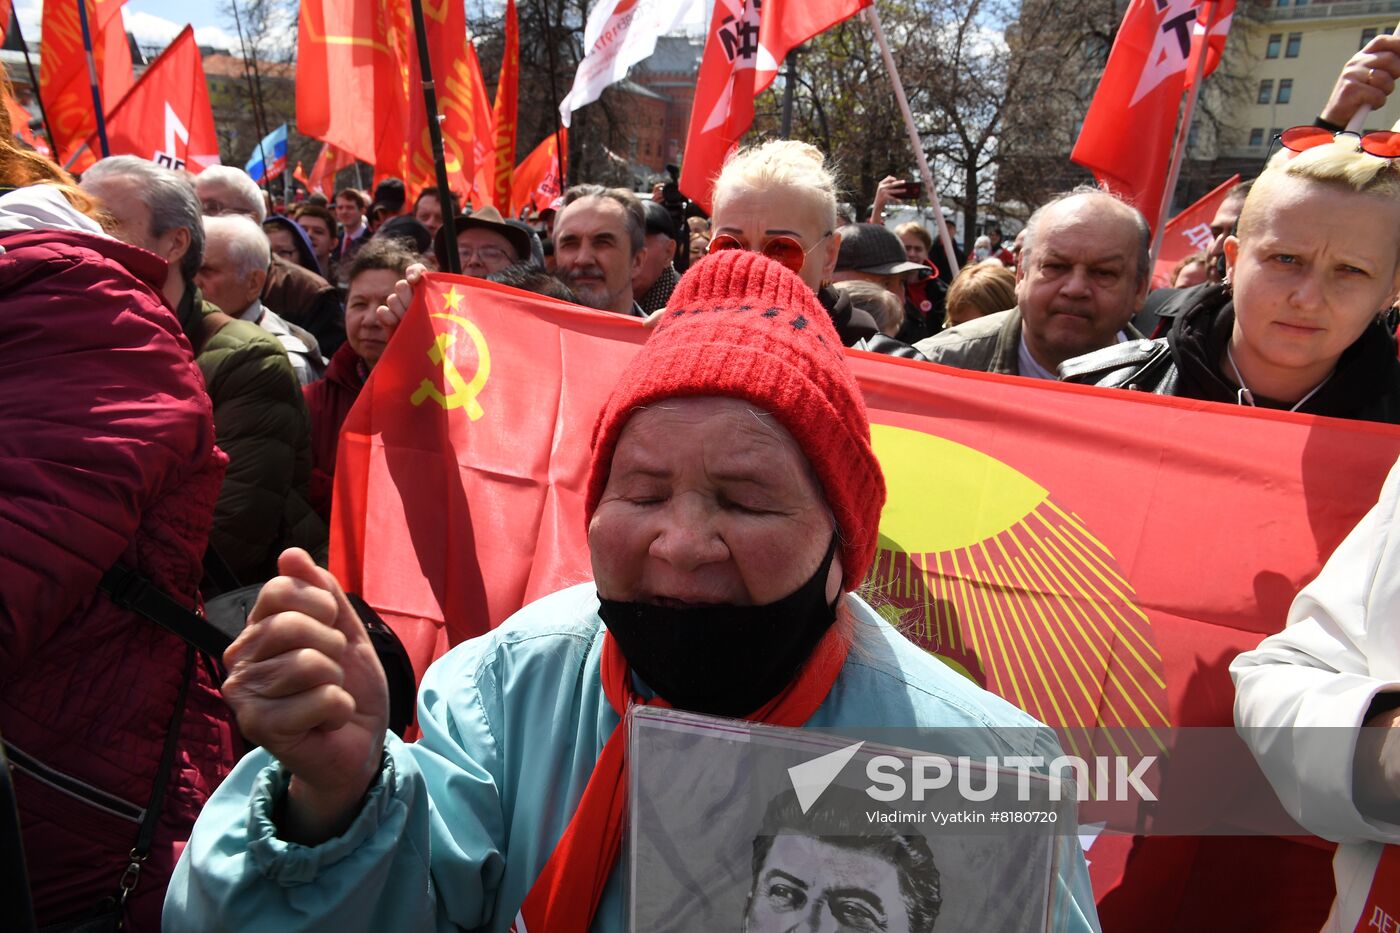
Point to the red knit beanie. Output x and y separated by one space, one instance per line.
742 326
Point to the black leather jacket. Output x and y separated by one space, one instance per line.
1365 385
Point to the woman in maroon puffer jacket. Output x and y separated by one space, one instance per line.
106 454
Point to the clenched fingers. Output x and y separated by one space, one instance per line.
276 722
285 674
281 633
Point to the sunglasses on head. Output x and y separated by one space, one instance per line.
786 250
1383 144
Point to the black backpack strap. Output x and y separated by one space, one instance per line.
147 833
132 590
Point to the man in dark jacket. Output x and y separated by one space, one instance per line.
298 295
1084 272
259 416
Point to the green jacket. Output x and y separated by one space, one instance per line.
260 421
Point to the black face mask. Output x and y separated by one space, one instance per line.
723 660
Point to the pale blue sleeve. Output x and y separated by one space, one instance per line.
426 852
1074 906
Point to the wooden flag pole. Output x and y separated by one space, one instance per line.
559 153
874 19
1182 133
425 69
92 80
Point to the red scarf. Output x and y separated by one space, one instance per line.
565 896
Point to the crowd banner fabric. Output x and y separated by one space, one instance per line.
618 35
536 180
1096 557
1189 232
327 165
348 50
166 116
63 73
744 49
504 114
269 157
1128 133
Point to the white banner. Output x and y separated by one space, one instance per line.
620 33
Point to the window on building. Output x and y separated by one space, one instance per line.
1281 3
1285 90
1275 41
1266 91
1295 42
1367 35
1256 137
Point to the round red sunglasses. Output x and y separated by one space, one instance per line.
786 250
1381 143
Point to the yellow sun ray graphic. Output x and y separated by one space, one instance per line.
981 567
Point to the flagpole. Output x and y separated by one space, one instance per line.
1182 133
92 79
553 92
34 84
1358 121
874 19
425 69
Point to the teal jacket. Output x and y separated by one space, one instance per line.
460 824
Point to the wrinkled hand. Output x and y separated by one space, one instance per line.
305 683
1376 767
396 305
1367 79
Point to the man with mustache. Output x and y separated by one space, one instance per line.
599 245
1084 272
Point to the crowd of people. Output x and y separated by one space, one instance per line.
182 353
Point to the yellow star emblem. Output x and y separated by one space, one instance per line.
452 299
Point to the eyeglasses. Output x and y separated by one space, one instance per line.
484 253
1383 144
218 208
785 250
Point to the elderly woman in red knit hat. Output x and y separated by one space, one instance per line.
732 510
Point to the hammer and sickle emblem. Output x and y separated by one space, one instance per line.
463 393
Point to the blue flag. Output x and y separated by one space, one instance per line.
273 148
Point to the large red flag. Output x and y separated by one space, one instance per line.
1128 134
536 181
63 73
1112 593
462 102
166 117
1189 232
504 115
351 86
7 9
746 45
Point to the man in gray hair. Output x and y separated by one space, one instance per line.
1083 273
298 295
232 276
260 418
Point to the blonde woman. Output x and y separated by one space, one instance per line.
980 289
1297 325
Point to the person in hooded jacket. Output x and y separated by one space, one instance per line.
107 456
1298 324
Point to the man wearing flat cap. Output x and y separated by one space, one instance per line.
654 281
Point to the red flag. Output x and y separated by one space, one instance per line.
328 165
1112 595
742 55
299 174
166 117
1129 131
467 134
19 126
7 8
63 73
504 115
536 181
349 50
1189 232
